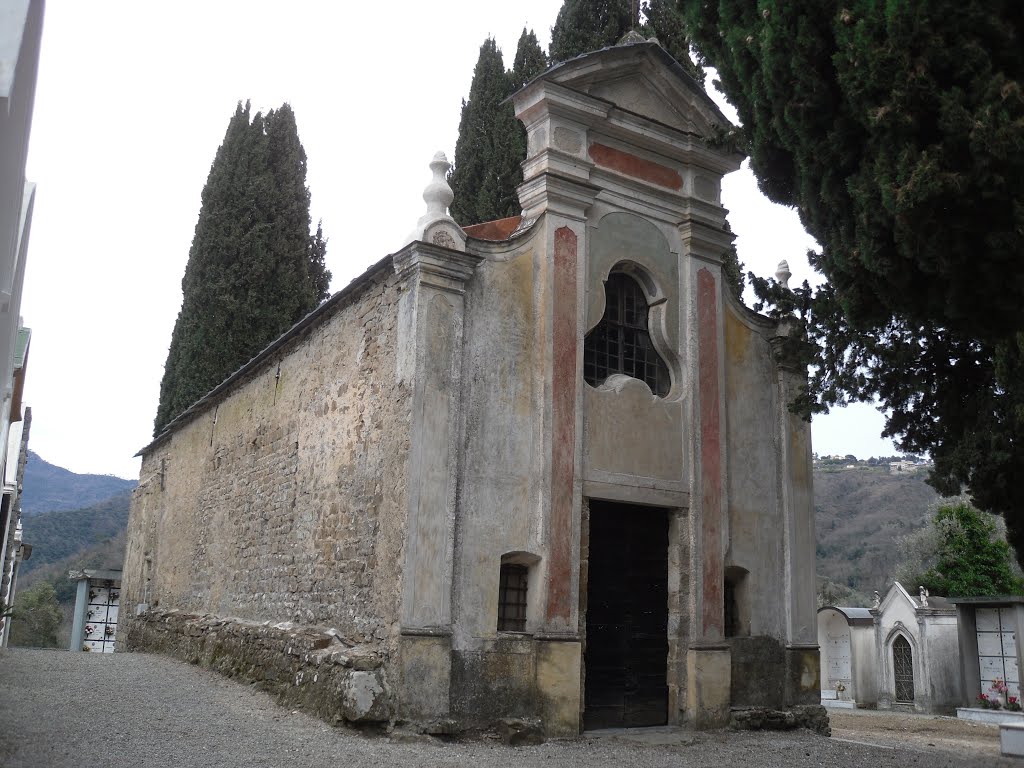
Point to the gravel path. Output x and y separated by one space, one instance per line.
61 709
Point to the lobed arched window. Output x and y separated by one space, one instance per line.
621 343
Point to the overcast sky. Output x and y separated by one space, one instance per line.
132 101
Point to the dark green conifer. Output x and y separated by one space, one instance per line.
486 168
896 131
665 22
530 60
254 269
589 25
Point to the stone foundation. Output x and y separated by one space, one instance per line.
308 668
811 716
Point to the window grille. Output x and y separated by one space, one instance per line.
621 342
512 598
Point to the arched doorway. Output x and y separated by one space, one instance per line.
903 669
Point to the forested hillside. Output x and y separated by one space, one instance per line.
57 536
860 516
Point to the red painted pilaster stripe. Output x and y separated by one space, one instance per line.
563 424
711 457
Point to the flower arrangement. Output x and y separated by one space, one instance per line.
109 630
997 697
985 703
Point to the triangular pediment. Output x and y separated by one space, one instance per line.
642 78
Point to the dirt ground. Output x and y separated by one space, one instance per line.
925 732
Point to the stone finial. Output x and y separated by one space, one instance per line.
438 195
782 274
878 600
922 595
436 226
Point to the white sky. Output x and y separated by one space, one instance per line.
132 101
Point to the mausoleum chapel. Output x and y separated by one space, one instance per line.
902 653
540 469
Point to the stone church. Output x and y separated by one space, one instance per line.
539 469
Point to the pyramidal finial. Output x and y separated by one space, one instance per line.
436 226
631 37
782 274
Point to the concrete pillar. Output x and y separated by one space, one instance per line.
78 625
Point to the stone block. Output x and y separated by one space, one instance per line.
517 732
1011 739
758 672
803 675
489 685
425 665
709 681
365 699
558 686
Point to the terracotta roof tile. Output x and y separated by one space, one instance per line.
494 230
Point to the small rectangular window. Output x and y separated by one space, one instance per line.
512 598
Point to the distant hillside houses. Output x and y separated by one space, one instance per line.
905 463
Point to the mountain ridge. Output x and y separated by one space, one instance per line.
49 488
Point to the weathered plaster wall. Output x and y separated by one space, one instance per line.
502 441
942 662
865 666
284 500
755 516
502 474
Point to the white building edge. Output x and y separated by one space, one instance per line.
21 23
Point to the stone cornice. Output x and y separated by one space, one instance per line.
442 268
556 194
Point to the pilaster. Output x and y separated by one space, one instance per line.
431 315
796 494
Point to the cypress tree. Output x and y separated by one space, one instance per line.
254 269
486 168
895 130
530 60
589 25
665 22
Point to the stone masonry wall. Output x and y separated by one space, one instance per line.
309 667
283 500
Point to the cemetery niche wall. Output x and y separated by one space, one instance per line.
989 651
540 470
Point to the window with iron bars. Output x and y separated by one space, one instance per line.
621 342
512 598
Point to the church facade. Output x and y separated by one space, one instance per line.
539 469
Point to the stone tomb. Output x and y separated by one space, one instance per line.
539 470
900 654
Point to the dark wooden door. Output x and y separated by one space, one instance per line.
627 617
